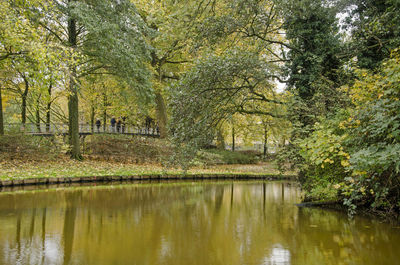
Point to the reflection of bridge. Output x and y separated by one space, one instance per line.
84 129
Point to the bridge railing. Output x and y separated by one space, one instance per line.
84 128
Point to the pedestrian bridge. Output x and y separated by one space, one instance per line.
42 129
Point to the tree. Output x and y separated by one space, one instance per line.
174 22
215 89
375 30
239 47
18 37
102 37
313 68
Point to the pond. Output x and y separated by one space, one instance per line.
185 223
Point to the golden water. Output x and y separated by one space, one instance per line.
186 223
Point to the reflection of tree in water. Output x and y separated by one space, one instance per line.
69 226
221 223
43 237
357 241
32 225
231 196
219 194
18 234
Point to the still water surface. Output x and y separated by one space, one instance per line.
186 223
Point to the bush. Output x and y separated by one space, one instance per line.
217 156
375 138
325 153
357 151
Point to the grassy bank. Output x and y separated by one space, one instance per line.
24 157
68 168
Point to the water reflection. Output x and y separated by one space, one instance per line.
185 223
278 256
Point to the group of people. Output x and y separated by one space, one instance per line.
117 125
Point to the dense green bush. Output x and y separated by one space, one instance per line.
357 152
325 157
375 139
217 156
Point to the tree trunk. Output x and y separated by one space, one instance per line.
104 112
37 114
233 137
73 120
92 112
23 105
220 140
161 115
48 109
73 106
1 115
265 141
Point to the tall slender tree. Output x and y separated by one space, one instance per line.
103 37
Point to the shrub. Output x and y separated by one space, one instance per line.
358 151
325 155
217 156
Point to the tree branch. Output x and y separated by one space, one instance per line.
177 62
52 32
241 110
10 54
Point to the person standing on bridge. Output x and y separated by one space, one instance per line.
118 125
98 124
113 122
123 124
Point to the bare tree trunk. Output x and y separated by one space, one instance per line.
104 112
48 108
1 115
38 114
73 120
233 137
92 113
220 140
161 115
265 141
73 105
23 104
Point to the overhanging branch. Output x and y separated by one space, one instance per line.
242 110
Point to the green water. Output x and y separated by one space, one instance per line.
186 223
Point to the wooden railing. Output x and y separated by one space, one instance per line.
60 128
